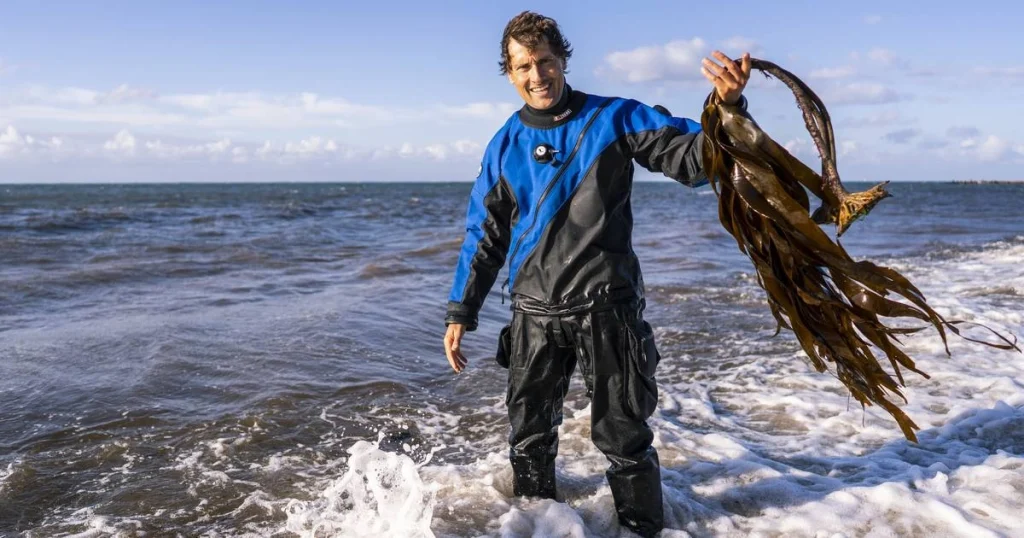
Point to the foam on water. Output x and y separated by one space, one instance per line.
380 495
768 447
5 474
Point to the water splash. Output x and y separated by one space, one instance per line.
381 495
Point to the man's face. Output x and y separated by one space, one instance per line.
537 74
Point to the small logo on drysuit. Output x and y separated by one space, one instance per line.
563 115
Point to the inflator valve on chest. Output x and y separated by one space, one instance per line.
544 153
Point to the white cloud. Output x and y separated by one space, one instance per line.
832 72
170 151
239 154
122 143
993 148
678 60
467 147
124 94
237 112
191 101
442 152
675 60
737 45
129 116
990 149
882 56
306 149
887 59
862 93
313 145
71 96
799 146
872 19
848 147
128 146
486 111
13 143
881 119
10 141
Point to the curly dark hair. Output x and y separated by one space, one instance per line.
530 29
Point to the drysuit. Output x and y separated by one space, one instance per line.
552 198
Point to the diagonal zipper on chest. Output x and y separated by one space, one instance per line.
552 183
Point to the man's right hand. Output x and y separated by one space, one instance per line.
453 346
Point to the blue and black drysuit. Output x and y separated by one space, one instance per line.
564 225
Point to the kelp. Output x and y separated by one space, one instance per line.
833 304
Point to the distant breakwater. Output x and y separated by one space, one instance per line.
987 181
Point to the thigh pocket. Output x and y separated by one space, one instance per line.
640 390
504 354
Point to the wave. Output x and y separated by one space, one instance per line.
379 270
80 220
444 247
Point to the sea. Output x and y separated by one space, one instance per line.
266 360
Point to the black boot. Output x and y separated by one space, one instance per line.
637 492
533 477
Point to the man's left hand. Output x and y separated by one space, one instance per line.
729 79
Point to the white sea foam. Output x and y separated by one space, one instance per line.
380 495
97 526
5 474
768 447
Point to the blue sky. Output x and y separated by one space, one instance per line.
385 91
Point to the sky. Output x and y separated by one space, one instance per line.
410 91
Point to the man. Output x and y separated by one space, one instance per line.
553 199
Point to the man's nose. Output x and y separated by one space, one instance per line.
535 73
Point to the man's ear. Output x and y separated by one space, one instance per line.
510 79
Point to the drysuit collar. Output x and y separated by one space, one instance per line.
561 112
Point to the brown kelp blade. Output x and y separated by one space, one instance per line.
833 304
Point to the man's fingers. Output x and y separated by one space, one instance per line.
720 76
452 348
746 64
457 361
712 67
708 75
727 62
455 357
730 66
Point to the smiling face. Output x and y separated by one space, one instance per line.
537 74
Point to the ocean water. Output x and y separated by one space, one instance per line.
267 360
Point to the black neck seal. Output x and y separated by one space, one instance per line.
561 112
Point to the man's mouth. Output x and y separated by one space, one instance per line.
541 89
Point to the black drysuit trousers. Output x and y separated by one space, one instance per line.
617 355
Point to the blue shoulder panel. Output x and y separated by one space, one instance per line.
639 117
